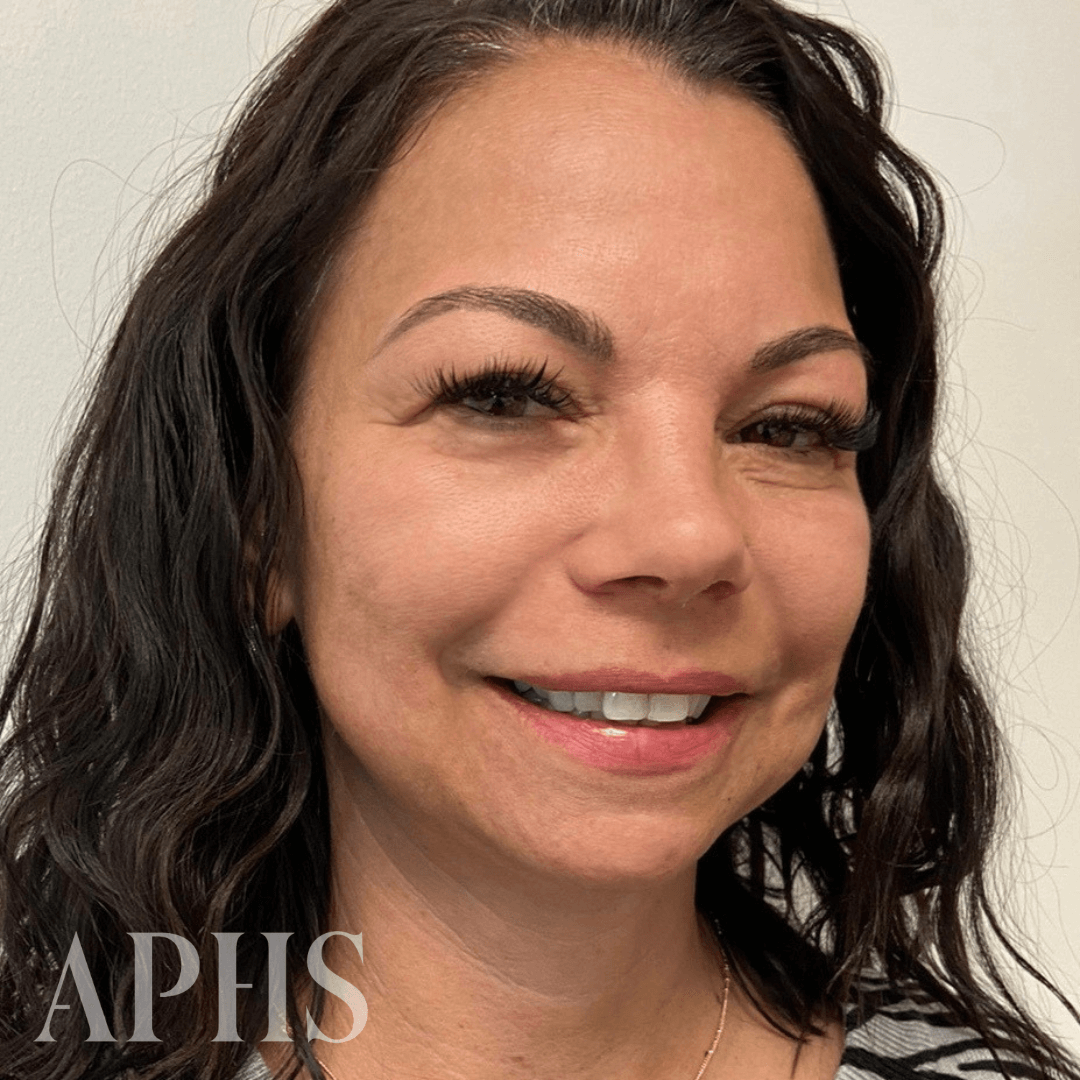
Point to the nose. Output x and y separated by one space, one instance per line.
666 522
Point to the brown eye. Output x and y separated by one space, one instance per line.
783 434
803 429
504 404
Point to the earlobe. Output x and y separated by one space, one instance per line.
280 607
273 597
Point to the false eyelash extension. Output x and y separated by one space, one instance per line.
498 376
839 426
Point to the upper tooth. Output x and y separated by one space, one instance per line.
698 703
621 705
669 706
588 701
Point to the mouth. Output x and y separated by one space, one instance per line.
622 707
612 719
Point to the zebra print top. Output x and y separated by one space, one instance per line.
892 1037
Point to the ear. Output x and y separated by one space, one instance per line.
281 604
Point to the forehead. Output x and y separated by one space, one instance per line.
589 172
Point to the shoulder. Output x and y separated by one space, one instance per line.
894 1035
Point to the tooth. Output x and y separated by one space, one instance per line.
562 700
668 707
698 703
618 706
588 701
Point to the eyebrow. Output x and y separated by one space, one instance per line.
808 341
587 333
579 329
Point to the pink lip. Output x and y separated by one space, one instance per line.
639 682
628 750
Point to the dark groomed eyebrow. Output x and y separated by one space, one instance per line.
579 329
588 334
809 341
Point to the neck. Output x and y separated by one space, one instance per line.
477 968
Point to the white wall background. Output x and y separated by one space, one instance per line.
101 103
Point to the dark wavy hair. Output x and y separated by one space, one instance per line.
163 771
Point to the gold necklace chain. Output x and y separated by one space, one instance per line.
329 1075
719 1027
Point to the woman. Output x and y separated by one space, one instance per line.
504 528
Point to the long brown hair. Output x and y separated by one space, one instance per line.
163 770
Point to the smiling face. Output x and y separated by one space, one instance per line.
579 411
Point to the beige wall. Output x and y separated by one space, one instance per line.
987 93
100 102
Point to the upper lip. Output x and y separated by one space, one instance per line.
631 681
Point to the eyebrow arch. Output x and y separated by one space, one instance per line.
588 334
800 344
579 329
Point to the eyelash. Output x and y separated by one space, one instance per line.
837 426
498 378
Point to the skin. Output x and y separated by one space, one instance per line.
526 914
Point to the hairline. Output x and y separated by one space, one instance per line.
508 44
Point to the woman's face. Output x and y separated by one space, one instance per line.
578 412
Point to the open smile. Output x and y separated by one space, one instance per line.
632 746
619 706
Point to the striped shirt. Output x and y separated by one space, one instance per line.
896 1038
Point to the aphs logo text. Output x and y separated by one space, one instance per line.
143 1029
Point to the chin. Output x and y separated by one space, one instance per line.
618 851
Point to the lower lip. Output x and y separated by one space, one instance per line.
634 751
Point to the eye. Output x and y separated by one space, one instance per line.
501 390
782 433
804 429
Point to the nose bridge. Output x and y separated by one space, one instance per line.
672 461
670 517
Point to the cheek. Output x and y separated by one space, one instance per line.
817 569
408 551
812 573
